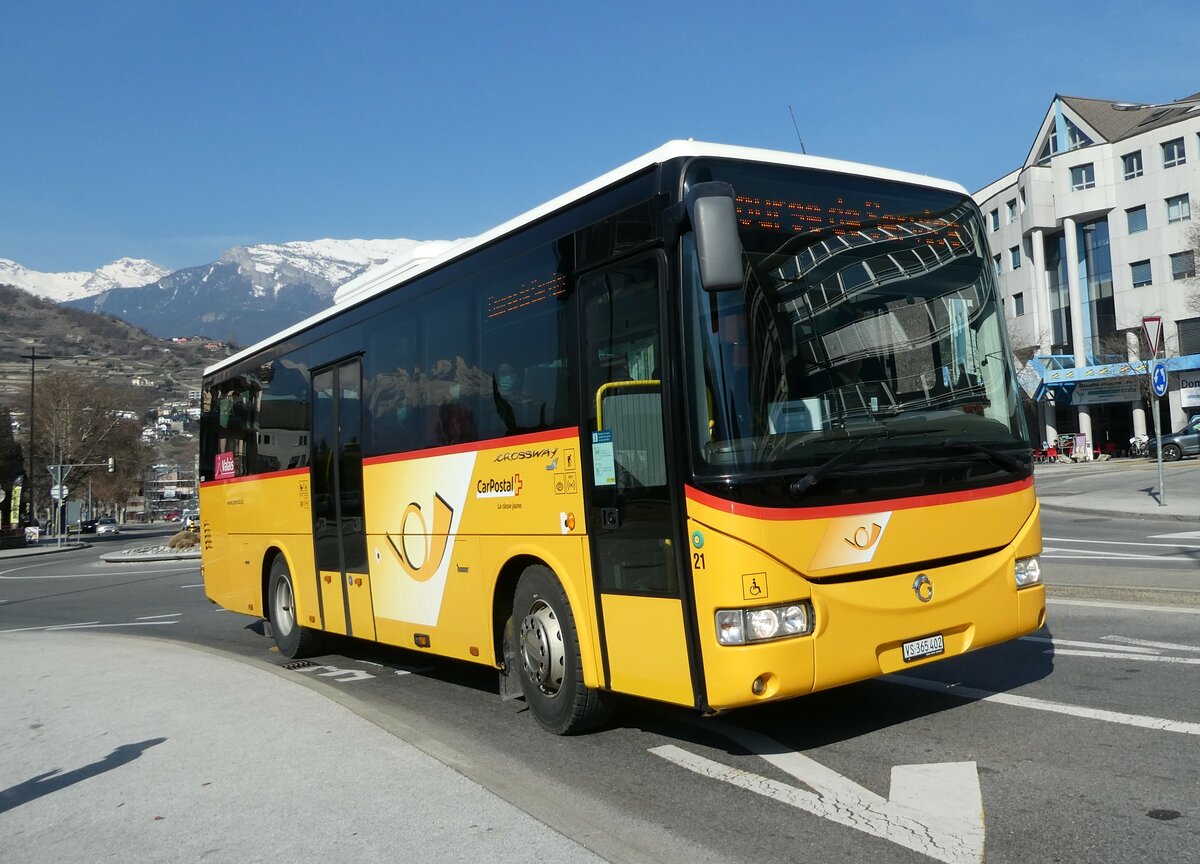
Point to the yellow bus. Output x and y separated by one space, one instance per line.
720 427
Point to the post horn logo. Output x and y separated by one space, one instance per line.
420 550
863 537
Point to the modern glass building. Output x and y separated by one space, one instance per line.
1093 233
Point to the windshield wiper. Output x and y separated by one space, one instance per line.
800 486
1001 459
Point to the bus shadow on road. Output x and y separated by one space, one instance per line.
854 710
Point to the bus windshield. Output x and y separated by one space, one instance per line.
867 322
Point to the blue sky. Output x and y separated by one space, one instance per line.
172 130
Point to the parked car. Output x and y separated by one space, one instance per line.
107 525
173 516
1176 445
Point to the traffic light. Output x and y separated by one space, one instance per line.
112 464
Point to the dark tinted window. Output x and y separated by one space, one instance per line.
482 357
259 417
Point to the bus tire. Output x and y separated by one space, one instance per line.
548 663
292 639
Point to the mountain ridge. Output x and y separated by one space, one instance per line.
246 295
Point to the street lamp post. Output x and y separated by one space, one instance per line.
32 357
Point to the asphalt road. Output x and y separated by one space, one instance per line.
1079 743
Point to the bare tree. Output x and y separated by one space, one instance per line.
85 421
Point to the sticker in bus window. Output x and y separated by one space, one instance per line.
603 465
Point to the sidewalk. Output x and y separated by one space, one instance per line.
166 753
1122 488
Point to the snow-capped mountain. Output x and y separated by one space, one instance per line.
60 287
250 292
320 264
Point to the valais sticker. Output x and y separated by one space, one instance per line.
226 466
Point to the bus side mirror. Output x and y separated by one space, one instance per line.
711 210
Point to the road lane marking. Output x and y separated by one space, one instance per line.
1118 717
82 625
1165 646
1074 644
95 574
1115 604
936 810
1125 655
1181 535
1124 543
168 615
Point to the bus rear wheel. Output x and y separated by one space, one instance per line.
292 639
548 663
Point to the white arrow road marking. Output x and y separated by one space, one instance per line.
972 694
936 810
343 676
1179 535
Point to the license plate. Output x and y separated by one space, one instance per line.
930 646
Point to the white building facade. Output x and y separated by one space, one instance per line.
1093 233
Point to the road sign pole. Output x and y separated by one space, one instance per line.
1158 386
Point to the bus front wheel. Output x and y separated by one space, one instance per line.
548 663
292 639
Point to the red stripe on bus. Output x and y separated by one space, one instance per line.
829 512
268 475
475 446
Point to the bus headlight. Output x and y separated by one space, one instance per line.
1027 572
740 626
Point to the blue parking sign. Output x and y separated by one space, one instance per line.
1158 379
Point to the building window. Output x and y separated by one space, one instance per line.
1136 217
1140 271
1019 304
1179 209
1014 257
1173 153
1010 211
1183 265
1189 336
1083 176
996 262
994 217
1023 204
1132 163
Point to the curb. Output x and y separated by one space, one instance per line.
31 551
1116 514
117 557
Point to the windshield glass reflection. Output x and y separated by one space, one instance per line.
868 312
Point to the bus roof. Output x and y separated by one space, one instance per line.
429 256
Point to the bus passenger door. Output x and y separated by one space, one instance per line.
628 502
339 529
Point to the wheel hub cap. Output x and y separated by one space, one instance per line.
542 648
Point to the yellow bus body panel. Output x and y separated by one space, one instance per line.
863 618
647 647
240 522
